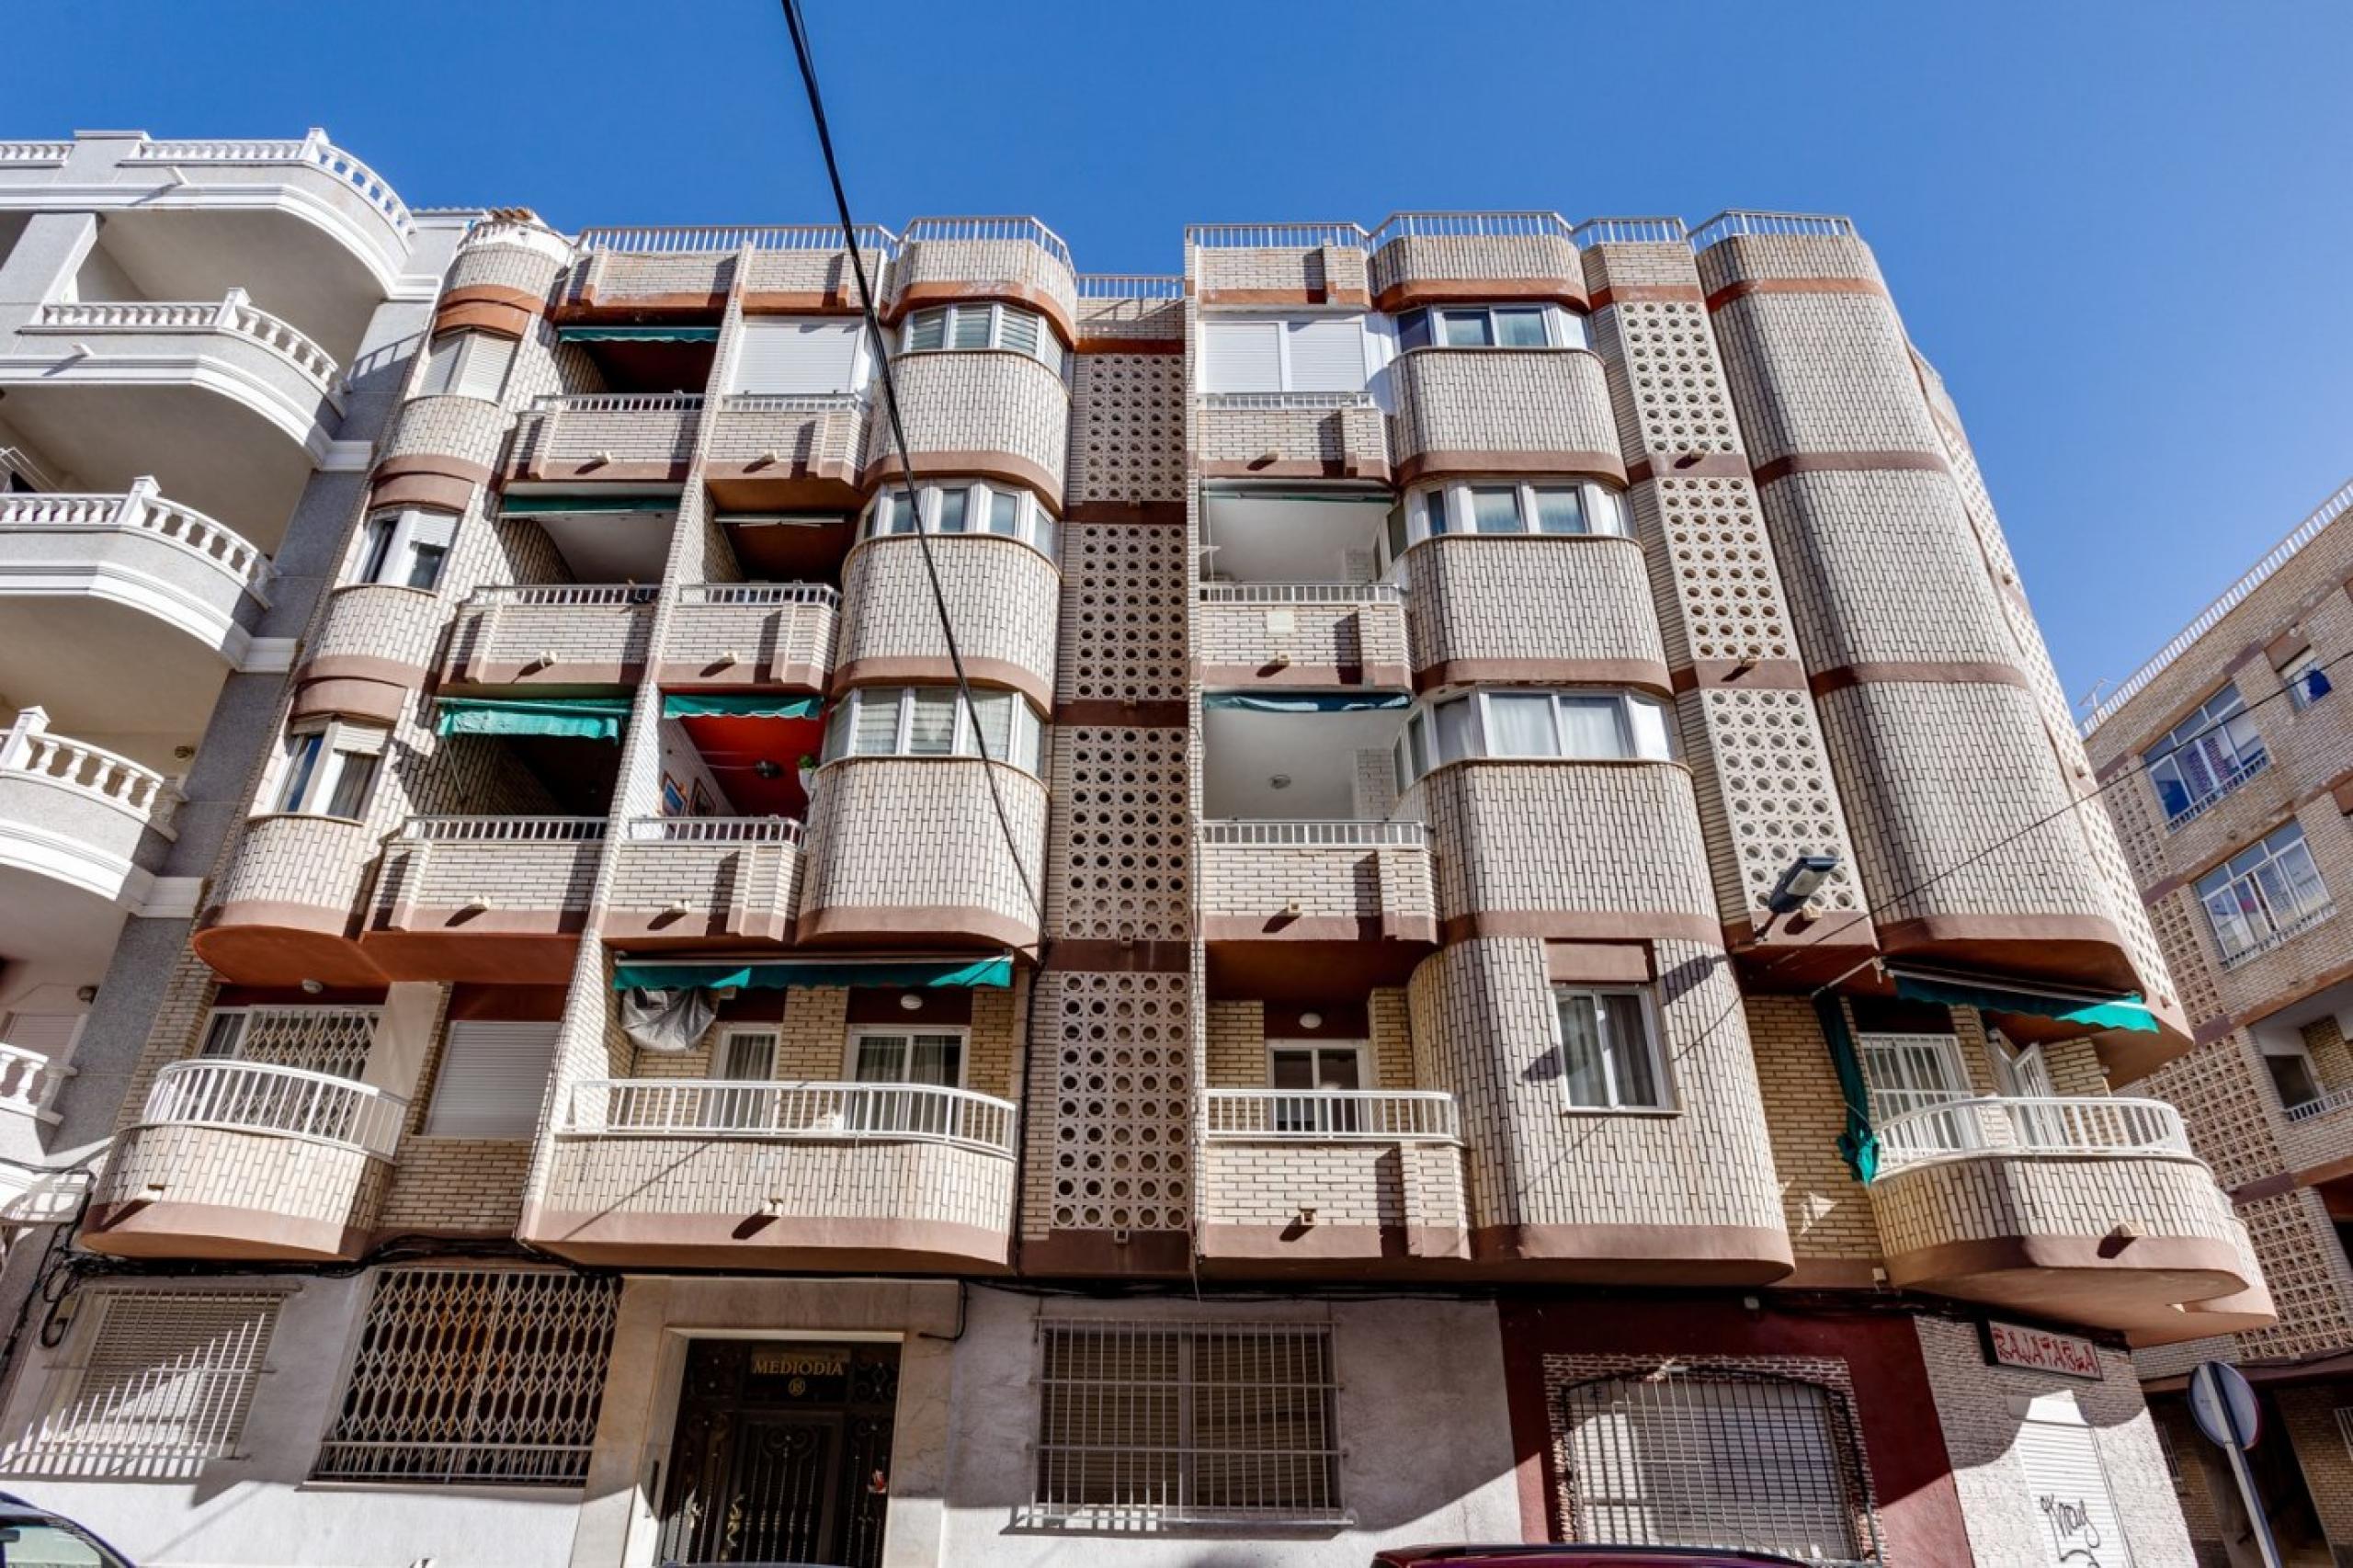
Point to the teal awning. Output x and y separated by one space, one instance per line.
513 506
2094 1012
737 704
584 718
637 335
1858 1145
910 975
1306 701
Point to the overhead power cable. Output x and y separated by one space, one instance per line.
899 451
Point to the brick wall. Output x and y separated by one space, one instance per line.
1524 401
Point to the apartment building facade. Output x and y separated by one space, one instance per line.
2226 763
1490 927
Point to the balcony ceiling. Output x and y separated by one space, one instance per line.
611 547
1293 535
292 269
47 925
102 668
207 450
1243 751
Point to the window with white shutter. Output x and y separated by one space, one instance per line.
466 364
797 354
493 1079
1269 353
1242 356
154 1377
1326 354
2075 1517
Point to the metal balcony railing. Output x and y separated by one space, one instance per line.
257 1096
2090 1124
1300 594
823 595
1009 228
2327 1104
713 830
1314 834
502 830
1390 1115
1809 225
820 1112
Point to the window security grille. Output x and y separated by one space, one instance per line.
317 1039
1145 1424
474 1376
2344 1414
1718 1458
165 1378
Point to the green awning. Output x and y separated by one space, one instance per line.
2094 1012
1858 1145
737 704
909 974
1307 701
637 335
584 718
513 506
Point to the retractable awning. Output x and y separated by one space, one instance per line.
637 335
780 975
579 718
2088 1009
1858 1144
514 505
737 704
1307 701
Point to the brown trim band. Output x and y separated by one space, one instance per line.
2169 1257
355 686
1328 1243
1646 675
800 302
527 673
1850 462
1917 672
801 677
1379 678
1110 714
435 492
939 669
1075 955
856 923
1357 297
979 464
628 308
915 296
2268 1187
1732 674
496 318
1416 292
685 1239
496 294
628 471
1141 513
1610 294
1689 465
1151 1252
1224 929
1365 467
1108 345
220 1231
1747 286
439 463
1585 925
1600 963
1696 1255
1445 463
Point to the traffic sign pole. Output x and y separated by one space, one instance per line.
2225 1410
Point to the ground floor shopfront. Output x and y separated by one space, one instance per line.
533 1417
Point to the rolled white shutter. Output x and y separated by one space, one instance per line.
1242 356
441 365
2075 1517
785 354
482 369
1328 354
493 1079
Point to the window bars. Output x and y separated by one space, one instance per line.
474 1376
1142 1424
163 1380
316 1040
1717 1457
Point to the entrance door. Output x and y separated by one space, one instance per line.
782 1454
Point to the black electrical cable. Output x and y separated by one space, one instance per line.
899 447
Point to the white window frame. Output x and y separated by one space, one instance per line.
339 741
1370 332
860 1033
1645 730
2241 878
1901 1092
1450 508
452 356
862 365
1049 351
2306 680
2229 750
1361 1049
405 531
1026 750
1653 1045
722 1052
1564 328
1033 525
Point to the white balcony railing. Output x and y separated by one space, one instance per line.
2091 1124
1423 1116
2327 1104
504 830
1630 231
1472 225
1027 229
761 595
616 403
622 594
791 403
717 239
2245 768
695 1107
257 1096
1130 285
1807 225
1314 834
1307 401
2281 935
142 511
713 830
314 150
234 314
34 154
27 747
1300 594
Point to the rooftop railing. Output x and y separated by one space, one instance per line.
1470 225
712 239
314 150
1805 225
1008 227
2086 1125
1130 285
691 1108
260 1096
1327 1116
1630 231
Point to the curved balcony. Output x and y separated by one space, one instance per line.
282 910
1426 258
991 413
104 595
494 899
785 1175
1019 260
786 450
1504 411
247 1160
374 649
726 635
908 851
73 814
550 637
1337 435
608 436
1302 1181
2089 1209
1004 599
1318 635
1348 900
1568 611
698 880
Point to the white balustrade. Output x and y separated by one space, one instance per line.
627 596
142 510
1389 1116
714 830
2081 1125
823 595
504 830
28 748
703 1108
617 403
259 1096
34 154
792 403
27 1079
314 150
1308 401
1300 594
2328 1104
1315 832
236 314
1027 229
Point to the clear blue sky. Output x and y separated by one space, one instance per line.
2123 233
